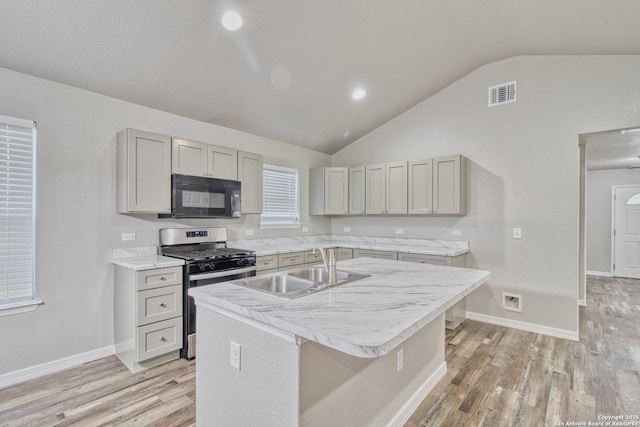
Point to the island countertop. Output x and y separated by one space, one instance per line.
365 318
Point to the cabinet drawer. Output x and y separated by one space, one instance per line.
158 338
344 253
293 258
159 304
266 262
425 259
357 253
269 271
311 257
159 277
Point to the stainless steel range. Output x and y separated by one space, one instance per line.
208 260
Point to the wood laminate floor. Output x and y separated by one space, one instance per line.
496 377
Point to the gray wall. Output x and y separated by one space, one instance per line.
523 172
598 214
77 225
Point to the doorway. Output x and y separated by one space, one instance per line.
626 231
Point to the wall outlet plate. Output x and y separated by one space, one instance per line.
249 232
305 229
234 356
456 233
128 236
517 233
399 230
399 360
347 229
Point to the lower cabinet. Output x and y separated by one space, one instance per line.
147 316
344 253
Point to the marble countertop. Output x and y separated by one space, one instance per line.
365 318
147 262
418 246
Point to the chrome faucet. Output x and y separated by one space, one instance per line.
329 261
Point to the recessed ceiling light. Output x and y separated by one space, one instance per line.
359 93
232 21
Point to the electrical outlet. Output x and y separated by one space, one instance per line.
305 229
234 357
456 233
128 236
249 232
399 230
347 229
400 360
517 233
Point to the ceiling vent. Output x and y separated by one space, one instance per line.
502 94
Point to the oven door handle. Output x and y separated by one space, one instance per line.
218 274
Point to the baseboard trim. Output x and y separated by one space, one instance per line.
416 399
599 273
529 327
57 365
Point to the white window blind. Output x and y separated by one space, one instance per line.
280 205
17 210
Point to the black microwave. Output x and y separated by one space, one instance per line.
200 197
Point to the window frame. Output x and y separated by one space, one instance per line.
28 303
265 221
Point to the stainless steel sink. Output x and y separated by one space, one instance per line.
297 283
281 285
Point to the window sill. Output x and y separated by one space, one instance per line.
295 225
19 307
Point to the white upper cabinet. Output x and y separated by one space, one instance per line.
357 190
386 188
420 187
396 188
328 191
143 172
200 159
375 189
438 186
222 162
450 185
250 176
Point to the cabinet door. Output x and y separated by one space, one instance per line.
250 175
143 172
449 185
336 190
356 190
222 162
189 157
420 190
396 188
375 189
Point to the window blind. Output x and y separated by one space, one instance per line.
279 196
17 210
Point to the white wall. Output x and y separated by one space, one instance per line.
77 224
523 172
598 218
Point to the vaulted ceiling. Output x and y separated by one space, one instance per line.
289 72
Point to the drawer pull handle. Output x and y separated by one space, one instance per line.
163 339
163 305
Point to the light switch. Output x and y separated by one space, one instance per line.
517 233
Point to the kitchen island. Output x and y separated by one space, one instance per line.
363 353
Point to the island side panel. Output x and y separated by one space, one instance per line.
337 389
263 392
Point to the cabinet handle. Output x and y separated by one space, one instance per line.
163 278
163 305
163 339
